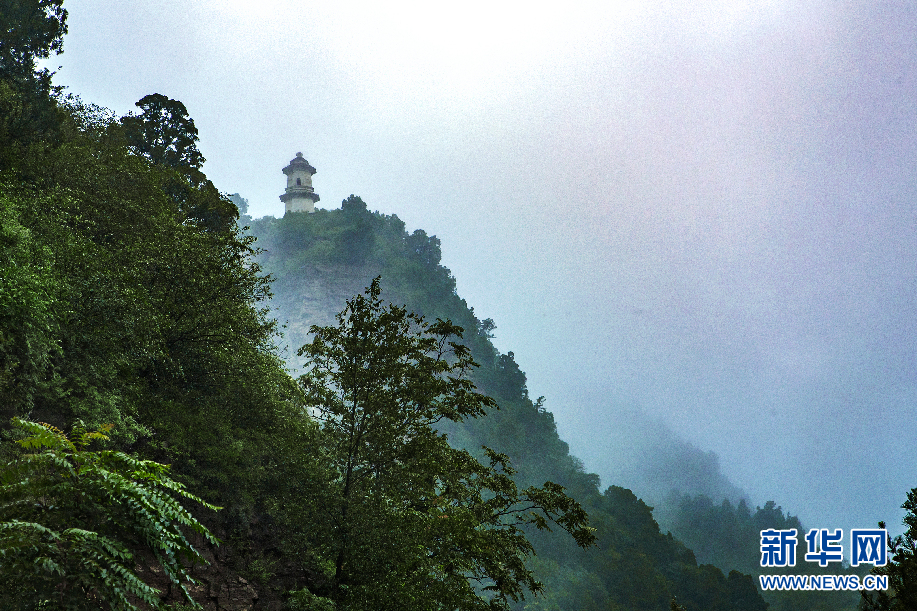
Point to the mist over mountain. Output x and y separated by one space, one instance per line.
318 260
645 469
313 276
633 450
705 213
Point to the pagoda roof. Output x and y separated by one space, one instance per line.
299 164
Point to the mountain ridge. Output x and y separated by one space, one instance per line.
316 259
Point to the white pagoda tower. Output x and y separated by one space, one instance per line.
299 195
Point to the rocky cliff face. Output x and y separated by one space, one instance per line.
256 578
219 588
321 292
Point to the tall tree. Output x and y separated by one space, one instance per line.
164 133
29 30
406 521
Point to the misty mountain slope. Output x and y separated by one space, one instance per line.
319 260
645 455
727 535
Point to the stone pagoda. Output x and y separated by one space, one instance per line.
299 195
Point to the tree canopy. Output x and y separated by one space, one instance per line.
164 133
406 516
30 30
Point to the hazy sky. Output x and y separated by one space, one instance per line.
706 210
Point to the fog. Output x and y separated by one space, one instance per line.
694 217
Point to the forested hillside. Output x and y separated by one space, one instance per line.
316 260
728 535
163 446
133 316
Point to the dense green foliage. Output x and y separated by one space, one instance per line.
407 517
128 297
130 300
126 310
70 518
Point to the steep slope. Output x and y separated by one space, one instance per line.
320 259
127 298
130 301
